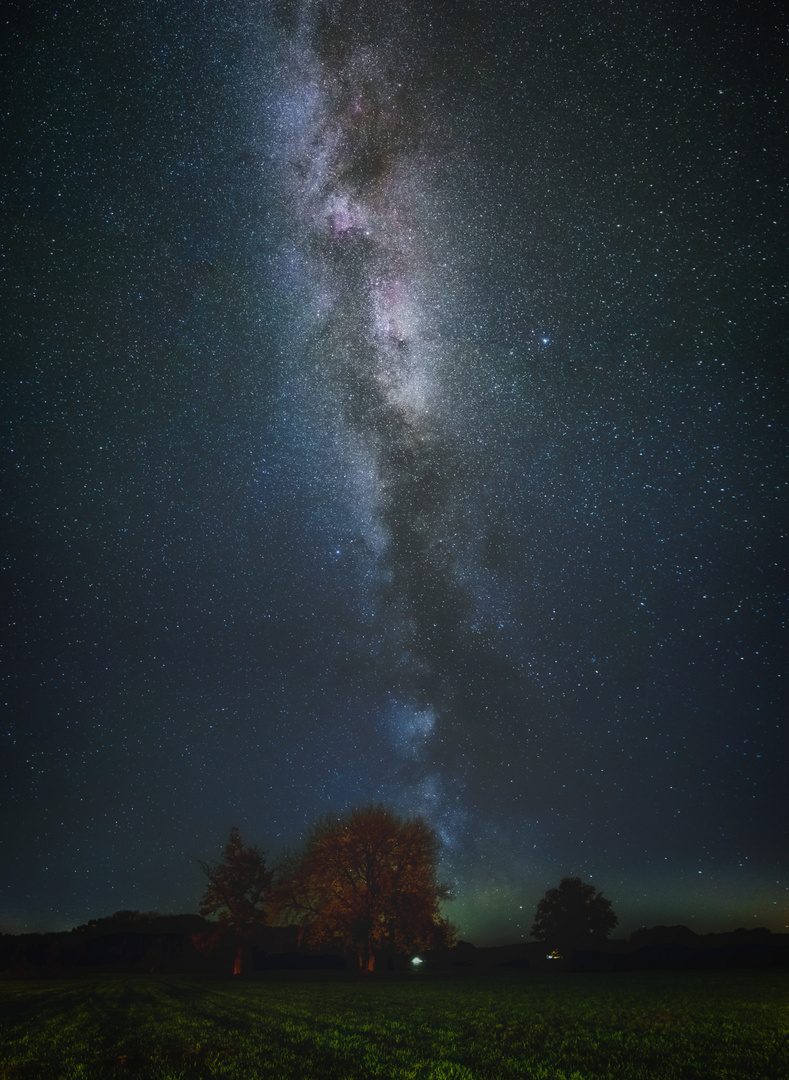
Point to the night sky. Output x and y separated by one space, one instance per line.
395 412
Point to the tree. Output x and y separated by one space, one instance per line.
366 882
572 916
237 894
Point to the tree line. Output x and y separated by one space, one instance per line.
365 883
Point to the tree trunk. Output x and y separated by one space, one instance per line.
371 963
239 958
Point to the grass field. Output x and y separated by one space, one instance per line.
650 1026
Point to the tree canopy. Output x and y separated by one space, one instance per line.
367 882
237 895
573 915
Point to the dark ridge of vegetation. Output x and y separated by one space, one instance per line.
170 944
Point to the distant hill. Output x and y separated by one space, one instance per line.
131 941
677 947
128 941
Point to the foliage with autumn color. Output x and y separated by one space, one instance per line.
366 882
236 896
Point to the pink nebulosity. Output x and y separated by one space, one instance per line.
343 222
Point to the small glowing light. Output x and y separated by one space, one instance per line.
417 961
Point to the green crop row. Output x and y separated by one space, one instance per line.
633 1027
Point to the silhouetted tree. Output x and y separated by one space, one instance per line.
367 882
237 894
572 916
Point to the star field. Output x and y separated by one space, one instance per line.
395 411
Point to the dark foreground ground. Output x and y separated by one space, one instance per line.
655 1026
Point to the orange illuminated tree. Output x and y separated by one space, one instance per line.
367 882
236 895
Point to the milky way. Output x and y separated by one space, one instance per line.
358 134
